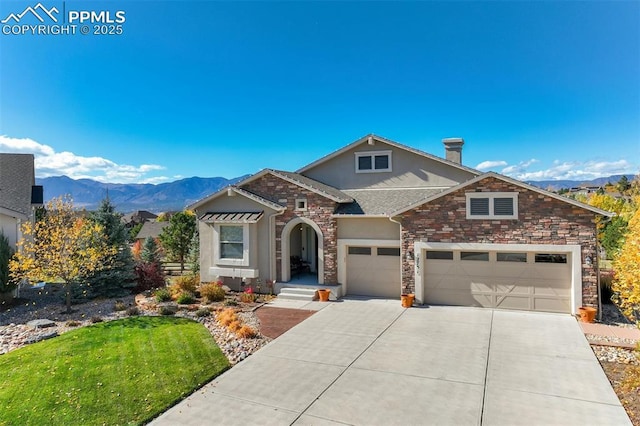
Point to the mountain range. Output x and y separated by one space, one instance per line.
171 196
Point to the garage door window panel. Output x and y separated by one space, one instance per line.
388 251
365 251
512 257
439 255
474 255
551 258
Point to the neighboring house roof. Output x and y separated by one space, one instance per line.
138 216
151 229
312 185
382 202
505 179
232 217
17 177
365 139
243 192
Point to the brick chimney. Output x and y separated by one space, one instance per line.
453 149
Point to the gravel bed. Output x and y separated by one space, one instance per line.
47 304
611 315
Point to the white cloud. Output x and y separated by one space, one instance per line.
51 163
486 165
571 170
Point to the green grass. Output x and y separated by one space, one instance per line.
120 372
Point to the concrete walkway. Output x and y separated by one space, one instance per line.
375 363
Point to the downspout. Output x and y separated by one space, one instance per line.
401 258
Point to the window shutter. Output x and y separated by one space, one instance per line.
479 206
503 206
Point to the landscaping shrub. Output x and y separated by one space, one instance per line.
149 275
168 310
235 325
162 295
6 252
203 312
119 306
72 323
230 302
246 332
186 283
133 311
212 292
185 298
96 319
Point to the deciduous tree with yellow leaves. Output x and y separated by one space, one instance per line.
627 269
60 247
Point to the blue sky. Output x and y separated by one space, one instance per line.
538 90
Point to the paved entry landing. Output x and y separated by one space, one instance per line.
374 363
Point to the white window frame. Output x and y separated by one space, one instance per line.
245 245
302 208
491 196
373 154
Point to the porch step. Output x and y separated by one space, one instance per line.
292 293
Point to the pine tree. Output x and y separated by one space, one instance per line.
118 279
194 252
150 252
176 238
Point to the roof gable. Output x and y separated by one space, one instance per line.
508 180
304 182
239 191
373 138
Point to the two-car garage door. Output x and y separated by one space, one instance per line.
526 280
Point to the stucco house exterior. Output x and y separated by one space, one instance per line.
378 218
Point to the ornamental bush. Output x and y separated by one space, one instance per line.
212 292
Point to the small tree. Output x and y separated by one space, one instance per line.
117 279
626 283
151 252
6 252
61 247
176 238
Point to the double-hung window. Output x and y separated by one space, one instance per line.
373 161
232 244
492 205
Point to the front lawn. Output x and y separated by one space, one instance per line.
119 372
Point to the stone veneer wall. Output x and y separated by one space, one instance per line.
541 220
319 210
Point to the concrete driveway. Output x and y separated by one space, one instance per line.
374 363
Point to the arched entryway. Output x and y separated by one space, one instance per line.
302 237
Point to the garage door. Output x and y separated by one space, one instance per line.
373 271
509 280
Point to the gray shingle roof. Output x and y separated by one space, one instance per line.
151 229
383 201
16 179
315 186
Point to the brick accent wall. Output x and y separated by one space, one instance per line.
319 210
541 220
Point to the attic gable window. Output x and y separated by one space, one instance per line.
373 161
492 205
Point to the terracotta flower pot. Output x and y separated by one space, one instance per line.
407 300
587 314
324 294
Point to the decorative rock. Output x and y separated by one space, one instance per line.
41 323
39 337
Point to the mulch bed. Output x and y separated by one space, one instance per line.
276 321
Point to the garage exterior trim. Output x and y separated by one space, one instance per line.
572 249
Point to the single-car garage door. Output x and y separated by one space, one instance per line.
523 280
373 271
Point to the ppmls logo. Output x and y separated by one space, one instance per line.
40 20
33 11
